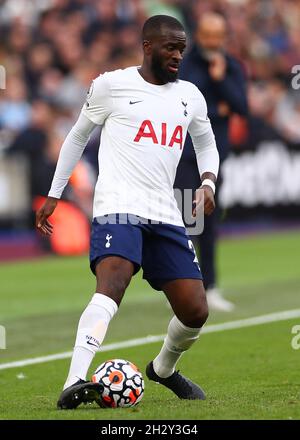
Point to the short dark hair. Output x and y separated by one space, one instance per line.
153 26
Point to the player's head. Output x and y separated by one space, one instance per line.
211 31
164 41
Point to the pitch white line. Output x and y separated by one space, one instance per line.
248 322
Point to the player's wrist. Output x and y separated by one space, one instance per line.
210 183
52 198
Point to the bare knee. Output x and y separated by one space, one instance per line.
113 276
197 316
188 300
201 316
115 285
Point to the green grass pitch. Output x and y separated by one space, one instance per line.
247 373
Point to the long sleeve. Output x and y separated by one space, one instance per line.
203 138
94 112
206 153
70 154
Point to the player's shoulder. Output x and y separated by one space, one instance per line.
188 87
190 90
106 82
117 75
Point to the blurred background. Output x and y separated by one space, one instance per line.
52 49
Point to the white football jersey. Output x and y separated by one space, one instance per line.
142 138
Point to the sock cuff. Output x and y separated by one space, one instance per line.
106 302
191 330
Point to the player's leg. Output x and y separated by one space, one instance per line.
171 265
113 274
188 301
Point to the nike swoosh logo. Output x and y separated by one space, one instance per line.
134 102
90 343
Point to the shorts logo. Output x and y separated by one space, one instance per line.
108 238
191 246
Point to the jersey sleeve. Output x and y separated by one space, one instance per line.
203 137
200 124
98 105
70 154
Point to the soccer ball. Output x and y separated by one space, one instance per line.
123 383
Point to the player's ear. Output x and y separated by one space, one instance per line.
147 46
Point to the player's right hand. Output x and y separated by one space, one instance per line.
204 199
42 223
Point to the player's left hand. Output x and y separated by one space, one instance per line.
42 222
209 200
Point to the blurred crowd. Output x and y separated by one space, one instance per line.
52 49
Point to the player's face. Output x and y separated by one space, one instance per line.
167 54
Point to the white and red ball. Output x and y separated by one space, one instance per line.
123 383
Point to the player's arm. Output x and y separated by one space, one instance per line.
207 156
94 112
69 156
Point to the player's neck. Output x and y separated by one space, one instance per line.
148 76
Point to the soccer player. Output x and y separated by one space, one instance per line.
145 113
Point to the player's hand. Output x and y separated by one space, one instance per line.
209 200
217 67
42 222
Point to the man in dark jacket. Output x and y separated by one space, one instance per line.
221 80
